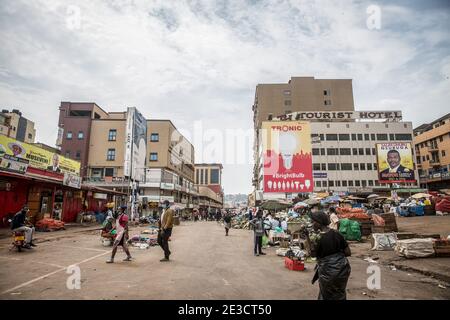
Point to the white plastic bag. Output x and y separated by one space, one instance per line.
384 241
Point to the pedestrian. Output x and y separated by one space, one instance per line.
227 222
258 229
122 235
165 230
332 269
250 214
334 219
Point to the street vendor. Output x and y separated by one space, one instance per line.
334 219
107 228
333 268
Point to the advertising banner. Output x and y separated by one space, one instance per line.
287 157
395 162
72 181
135 145
38 158
13 164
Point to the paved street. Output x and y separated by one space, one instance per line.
206 265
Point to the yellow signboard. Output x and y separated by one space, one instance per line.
38 158
395 162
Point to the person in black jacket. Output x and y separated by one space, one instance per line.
227 222
19 224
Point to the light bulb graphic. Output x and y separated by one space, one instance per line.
287 143
279 184
301 186
296 184
288 185
269 184
284 186
307 184
274 186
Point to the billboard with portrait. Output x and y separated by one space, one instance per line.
287 156
395 162
135 145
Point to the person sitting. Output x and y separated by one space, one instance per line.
107 228
19 223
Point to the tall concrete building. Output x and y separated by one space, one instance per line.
343 140
432 144
208 178
14 125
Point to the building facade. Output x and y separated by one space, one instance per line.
343 140
208 178
432 146
14 125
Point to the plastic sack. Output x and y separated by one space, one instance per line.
350 229
415 248
265 241
384 241
332 272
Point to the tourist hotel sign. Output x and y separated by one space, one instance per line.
287 157
342 115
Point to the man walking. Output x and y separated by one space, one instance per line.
258 229
122 235
165 230
227 222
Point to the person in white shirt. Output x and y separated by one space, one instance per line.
334 219
284 224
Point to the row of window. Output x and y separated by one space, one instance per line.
343 151
364 137
111 155
427 157
346 183
77 154
69 135
112 135
201 176
344 166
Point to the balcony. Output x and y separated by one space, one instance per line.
435 177
435 162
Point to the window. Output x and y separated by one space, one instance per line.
362 166
428 157
405 126
423 158
345 152
69 135
112 135
374 166
355 166
327 102
386 126
370 183
344 137
344 183
318 184
287 102
443 153
97 173
78 154
366 137
109 172
377 184
324 166
369 166
30 136
153 156
361 151
322 137
331 183
360 137
287 92
197 172
353 136
367 126
316 166
374 152
338 183
347 126
80 135
357 183
403 136
154 137
206 176
326 92
111 155
346 166
270 116
364 183
315 151
355 151
382 136
328 126
441 138
391 136
350 183
332 151
324 184
202 176
331 137
367 151
332 166
215 176
322 151
372 136
67 154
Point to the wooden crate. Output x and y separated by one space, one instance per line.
390 222
377 229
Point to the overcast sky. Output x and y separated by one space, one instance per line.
191 60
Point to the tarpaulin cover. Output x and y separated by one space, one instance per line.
350 229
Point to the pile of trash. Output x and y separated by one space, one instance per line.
46 225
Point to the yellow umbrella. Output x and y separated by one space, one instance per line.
421 195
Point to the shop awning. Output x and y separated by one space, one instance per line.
102 190
30 177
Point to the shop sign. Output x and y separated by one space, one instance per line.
13 164
102 196
71 180
167 186
320 175
342 115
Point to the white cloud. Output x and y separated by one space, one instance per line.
186 60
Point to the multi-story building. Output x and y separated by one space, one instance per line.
98 139
432 145
343 140
208 177
14 125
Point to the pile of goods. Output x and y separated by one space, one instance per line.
443 207
383 241
352 213
350 229
47 224
240 222
143 242
415 248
